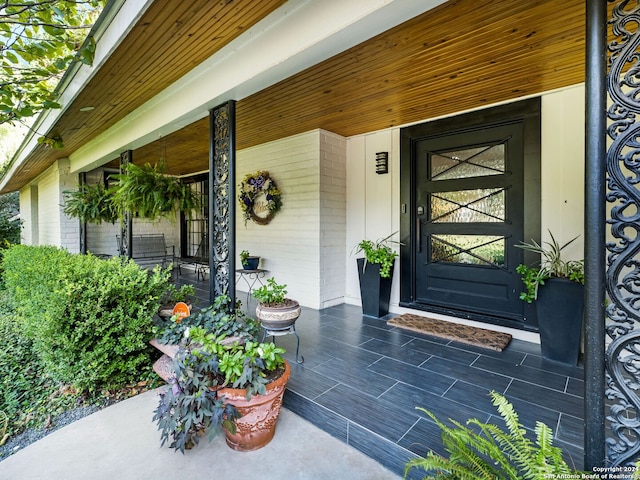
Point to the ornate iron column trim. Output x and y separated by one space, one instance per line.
82 181
126 225
623 263
222 192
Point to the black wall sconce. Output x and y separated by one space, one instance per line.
382 162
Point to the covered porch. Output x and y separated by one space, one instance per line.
362 380
316 119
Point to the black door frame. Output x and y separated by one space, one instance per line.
527 111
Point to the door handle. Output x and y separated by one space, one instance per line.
418 235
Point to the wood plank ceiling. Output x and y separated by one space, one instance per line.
169 40
461 55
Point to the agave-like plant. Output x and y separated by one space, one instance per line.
493 454
551 265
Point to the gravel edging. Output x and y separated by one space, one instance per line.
26 438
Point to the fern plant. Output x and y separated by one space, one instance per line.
493 454
91 203
150 193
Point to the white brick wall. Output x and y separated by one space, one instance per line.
69 227
292 244
333 222
49 207
101 239
26 237
45 224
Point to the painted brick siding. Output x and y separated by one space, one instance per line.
48 208
333 221
288 245
69 227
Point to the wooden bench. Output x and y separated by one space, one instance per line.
149 250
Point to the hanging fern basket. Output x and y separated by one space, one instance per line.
91 204
151 194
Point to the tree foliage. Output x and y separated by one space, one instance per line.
39 39
10 223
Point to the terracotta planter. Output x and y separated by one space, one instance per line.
257 426
280 316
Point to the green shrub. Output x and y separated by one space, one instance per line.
90 319
27 394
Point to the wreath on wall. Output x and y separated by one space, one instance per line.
259 197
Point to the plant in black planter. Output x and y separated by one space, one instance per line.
376 273
249 262
557 287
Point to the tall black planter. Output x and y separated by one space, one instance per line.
559 307
375 291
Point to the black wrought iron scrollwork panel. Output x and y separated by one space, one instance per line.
623 260
126 225
623 367
222 190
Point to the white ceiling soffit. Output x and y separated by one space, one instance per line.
296 36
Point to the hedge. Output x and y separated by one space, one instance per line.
89 319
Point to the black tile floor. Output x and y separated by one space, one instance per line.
362 380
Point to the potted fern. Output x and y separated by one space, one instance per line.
556 286
375 271
148 192
91 203
145 191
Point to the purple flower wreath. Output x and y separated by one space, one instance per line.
252 187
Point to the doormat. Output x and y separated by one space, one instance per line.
478 337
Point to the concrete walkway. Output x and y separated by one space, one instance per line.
121 442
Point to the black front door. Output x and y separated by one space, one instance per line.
467 200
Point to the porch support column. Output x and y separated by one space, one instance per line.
126 225
222 194
595 221
82 181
